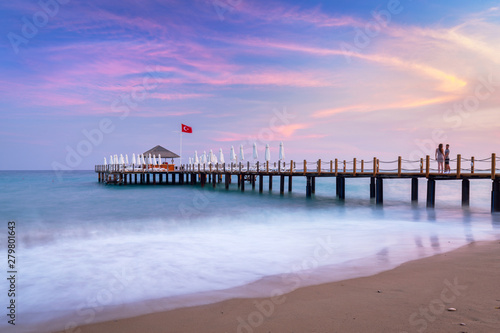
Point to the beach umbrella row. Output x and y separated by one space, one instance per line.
211 158
141 159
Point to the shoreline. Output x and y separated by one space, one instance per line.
412 297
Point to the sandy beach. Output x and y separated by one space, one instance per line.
418 296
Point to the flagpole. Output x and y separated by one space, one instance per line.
180 159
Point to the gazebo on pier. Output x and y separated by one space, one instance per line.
164 153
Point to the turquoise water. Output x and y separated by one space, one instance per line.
86 249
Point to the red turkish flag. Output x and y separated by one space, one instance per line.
186 129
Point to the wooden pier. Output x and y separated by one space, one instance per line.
253 173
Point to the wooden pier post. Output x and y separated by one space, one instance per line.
493 166
313 185
414 189
465 192
282 184
270 182
290 183
148 181
372 187
341 187
239 180
226 180
427 166
431 193
379 195
495 196
308 187
214 180
459 166
253 181
242 183
261 183
135 178
154 179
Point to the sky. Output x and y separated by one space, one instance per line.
81 80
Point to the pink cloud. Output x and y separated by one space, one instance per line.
294 15
404 104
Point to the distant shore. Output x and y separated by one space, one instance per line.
414 297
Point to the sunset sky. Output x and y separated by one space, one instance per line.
328 78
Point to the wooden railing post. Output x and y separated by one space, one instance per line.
331 166
493 166
378 165
354 167
345 167
240 166
279 166
305 167
459 165
399 166
421 165
291 166
319 166
267 166
427 166
374 166
362 166
258 166
472 166
336 166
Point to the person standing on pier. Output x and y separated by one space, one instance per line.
447 159
440 158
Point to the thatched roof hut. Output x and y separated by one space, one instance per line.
159 150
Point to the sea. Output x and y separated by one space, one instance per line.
87 252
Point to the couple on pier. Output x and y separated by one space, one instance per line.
443 156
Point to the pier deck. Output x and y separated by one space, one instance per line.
254 174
